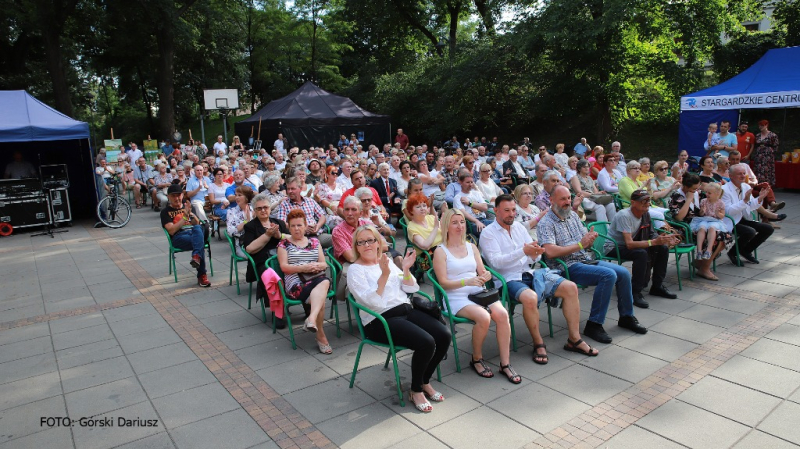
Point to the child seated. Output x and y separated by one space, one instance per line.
706 225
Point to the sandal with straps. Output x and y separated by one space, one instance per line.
574 347
424 407
485 372
540 359
512 375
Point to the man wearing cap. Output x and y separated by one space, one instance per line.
185 230
637 240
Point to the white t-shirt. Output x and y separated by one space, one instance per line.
475 196
220 146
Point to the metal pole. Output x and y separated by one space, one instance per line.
202 128
225 125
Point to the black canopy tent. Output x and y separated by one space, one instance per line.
312 116
44 136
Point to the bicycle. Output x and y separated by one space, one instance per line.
113 210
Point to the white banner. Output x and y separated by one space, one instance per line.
766 100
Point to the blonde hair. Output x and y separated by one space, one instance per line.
445 223
519 189
713 187
660 164
361 229
559 146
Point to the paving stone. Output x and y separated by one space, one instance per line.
229 321
686 329
81 337
712 315
270 353
779 278
88 353
97 373
176 378
244 337
77 322
786 333
25 348
538 407
767 288
343 359
782 422
759 376
162 357
67 304
673 306
758 439
732 401
775 352
634 437
692 427
30 389
27 367
421 441
23 333
55 438
231 430
658 345
585 384
624 363
105 398
469 430
366 428
214 308
296 375
158 441
734 304
103 437
128 312
25 419
154 338
338 400
194 404
134 325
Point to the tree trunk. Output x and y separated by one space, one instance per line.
165 37
486 15
454 9
145 98
51 27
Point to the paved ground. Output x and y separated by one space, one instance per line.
93 326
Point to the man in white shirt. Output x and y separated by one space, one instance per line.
470 200
344 179
279 144
219 145
739 203
280 164
508 248
134 153
394 168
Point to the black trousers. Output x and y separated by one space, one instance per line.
655 256
752 234
418 331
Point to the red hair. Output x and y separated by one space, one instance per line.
413 200
294 214
763 123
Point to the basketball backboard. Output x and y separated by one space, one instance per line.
215 99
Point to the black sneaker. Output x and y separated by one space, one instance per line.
596 332
663 292
638 301
157 209
735 260
630 322
749 258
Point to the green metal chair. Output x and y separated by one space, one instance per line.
598 247
393 348
680 251
444 304
336 270
173 250
263 300
424 259
272 262
511 304
234 268
619 202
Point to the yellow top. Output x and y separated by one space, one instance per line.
424 232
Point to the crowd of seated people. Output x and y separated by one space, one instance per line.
464 205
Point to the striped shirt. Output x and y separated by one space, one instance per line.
298 256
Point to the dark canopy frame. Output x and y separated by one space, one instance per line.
45 136
311 116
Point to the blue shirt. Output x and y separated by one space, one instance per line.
231 190
193 183
581 149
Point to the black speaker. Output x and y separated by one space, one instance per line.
25 212
62 213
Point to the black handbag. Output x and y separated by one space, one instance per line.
485 298
429 307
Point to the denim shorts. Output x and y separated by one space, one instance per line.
549 279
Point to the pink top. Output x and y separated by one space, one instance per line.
709 209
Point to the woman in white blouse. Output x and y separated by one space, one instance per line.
486 186
378 284
609 177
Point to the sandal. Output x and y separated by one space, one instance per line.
573 347
486 372
309 327
512 375
325 349
540 359
435 397
424 407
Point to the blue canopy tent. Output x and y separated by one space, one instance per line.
45 136
772 82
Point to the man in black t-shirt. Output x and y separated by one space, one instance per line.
185 229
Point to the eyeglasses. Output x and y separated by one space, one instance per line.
366 200
366 242
662 169
262 208
486 171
